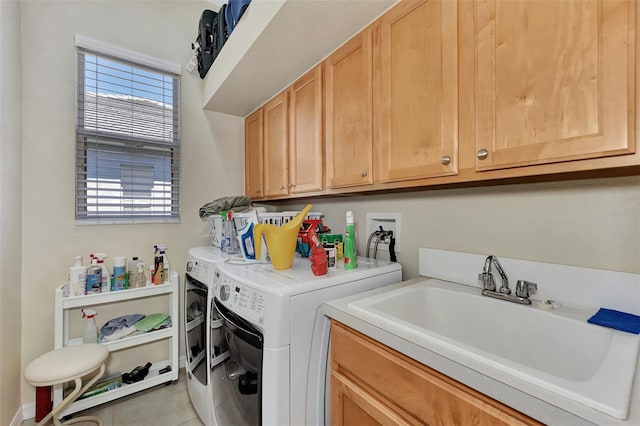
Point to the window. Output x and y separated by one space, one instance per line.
127 138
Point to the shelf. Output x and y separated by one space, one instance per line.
170 335
152 379
275 42
113 296
129 341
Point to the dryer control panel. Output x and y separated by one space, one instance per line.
241 299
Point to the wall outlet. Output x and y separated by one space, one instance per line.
389 222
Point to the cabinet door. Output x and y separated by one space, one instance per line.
306 162
276 170
253 155
418 91
349 113
554 81
352 405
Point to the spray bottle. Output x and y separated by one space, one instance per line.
157 274
350 260
165 263
105 284
90 329
94 276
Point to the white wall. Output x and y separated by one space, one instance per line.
212 148
592 223
10 208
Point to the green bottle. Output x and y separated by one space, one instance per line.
350 260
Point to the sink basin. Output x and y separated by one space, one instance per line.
554 355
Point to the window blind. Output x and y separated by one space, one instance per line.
127 139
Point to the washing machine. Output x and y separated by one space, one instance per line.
201 344
277 338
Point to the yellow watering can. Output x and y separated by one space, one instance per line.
281 240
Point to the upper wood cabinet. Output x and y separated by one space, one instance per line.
306 159
349 113
554 81
276 142
418 91
253 159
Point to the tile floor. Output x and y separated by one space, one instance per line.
164 405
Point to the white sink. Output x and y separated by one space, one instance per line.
554 355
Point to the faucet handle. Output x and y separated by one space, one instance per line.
524 288
488 281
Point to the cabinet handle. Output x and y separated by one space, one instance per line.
363 173
291 185
445 160
482 154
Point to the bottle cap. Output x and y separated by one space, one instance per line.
77 261
349 216
119 261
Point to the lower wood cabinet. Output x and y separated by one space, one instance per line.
372 384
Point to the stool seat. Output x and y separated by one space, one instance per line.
65 364
68 364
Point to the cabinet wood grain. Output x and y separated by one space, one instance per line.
253 155
391 388
349 113
276 142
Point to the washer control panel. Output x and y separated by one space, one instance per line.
241 299
200 269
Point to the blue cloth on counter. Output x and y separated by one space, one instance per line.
616 319
120 322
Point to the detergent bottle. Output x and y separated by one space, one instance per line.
90 329
350 260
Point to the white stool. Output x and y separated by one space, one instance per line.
67 364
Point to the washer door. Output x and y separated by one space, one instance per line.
242 371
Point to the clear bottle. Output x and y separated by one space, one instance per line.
90 328
141 278
132 269
350 259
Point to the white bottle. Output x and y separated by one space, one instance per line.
119 273
90 328
165 264
77 278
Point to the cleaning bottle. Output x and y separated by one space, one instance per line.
90 328
165 264
105 284
350 260
94 276
119 273
132 268
141 278
77 278
157 275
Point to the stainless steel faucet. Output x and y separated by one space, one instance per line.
523 288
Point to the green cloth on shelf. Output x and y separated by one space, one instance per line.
151 322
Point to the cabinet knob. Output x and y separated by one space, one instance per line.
445 160
291 185
363 173
257 191
482 154
281 187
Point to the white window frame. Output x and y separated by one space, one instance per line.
162 147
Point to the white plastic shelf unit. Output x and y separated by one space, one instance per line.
61 336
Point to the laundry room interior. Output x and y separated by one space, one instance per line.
581 211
